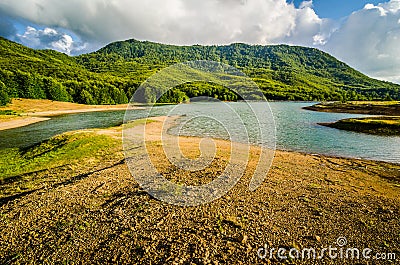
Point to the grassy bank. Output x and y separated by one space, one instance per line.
389 108
25 170
72 200
374 125
385 125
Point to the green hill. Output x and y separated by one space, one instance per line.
37 74
112 74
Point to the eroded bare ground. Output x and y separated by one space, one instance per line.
100 214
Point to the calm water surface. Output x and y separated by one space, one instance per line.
296 129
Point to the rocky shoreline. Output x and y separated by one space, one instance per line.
98 214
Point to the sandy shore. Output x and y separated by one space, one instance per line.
33 110
95 212
22 105
20 122
34 117
72 111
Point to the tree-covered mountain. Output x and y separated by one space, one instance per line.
29 73
112 74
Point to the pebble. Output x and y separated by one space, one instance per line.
243 239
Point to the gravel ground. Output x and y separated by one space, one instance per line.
100 215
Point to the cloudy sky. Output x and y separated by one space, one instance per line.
364 34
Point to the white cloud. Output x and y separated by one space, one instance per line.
369 40
48 38
64 44
174 21
306 4
319 39
308 27
382 10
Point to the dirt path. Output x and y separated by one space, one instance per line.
99 215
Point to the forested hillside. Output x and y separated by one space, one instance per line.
37 74
112 74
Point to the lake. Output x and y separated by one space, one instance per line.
296 129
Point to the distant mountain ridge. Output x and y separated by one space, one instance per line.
112 74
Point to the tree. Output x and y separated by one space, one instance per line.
388 97
4 98
86 98
55 90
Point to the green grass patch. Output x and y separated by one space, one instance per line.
8 112
372 125
378 121
374 103
65 149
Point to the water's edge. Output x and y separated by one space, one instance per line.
297 129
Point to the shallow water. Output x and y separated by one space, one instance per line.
296 129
